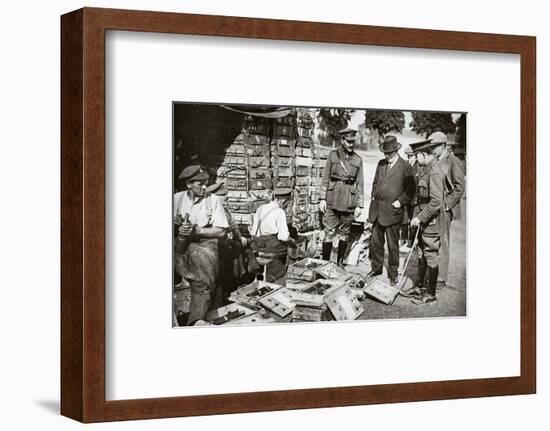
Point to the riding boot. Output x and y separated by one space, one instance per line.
418 288
432 280
342 247
327 250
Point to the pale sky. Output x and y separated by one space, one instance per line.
358 117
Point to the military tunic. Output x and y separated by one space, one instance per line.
342 188
429 210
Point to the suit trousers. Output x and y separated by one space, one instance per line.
391 234
445 249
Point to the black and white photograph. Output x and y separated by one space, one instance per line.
287 214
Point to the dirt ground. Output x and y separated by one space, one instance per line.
451 301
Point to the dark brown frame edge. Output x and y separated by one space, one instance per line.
83 214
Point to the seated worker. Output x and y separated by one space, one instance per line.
201 221
236 260
270 235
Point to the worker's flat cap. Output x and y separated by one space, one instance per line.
438 138
193 173
282 191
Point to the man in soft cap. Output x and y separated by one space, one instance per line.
341 197
428 217
453 173
201 221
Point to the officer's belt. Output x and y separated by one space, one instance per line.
340 180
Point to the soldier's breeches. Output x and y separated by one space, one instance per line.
337 225
428 249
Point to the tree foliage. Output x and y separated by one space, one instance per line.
461 130
385 122
331 121
425 123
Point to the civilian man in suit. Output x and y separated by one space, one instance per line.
453 174
392 189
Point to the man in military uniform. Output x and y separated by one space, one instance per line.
428 217
453 174
392 190
341 197
200 220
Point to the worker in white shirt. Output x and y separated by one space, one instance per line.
201 221
270 235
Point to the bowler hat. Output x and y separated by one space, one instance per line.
193 173
389 144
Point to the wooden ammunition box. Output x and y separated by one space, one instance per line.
331 271
303 181
381 291
258 162
255 140
259 195
241 207
311 314
259 173
279 302
304 142
235 149
304 152
236 184
303 161
230 160
314 295
228 314
282 131
260 184
285 142
282 151
305 269
257 150
235 172
343 304
284 183
242 218
283 162
305 133
302 171
237 194
250 294
283 172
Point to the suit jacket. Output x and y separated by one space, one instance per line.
389 185
453 173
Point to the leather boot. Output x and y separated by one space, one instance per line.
418 288
433 272
429 295
342 246
327 250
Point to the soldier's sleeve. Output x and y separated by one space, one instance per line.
409 187
436 197
326 178
359 180
458 182
218 214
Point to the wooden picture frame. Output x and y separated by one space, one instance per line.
83 214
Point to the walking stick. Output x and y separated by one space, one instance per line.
400 291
